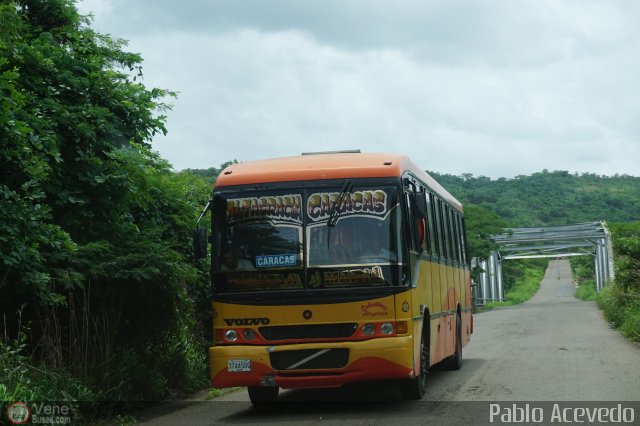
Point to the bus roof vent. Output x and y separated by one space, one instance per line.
346 151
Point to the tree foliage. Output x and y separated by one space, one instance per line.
211 174
95 229
550 198
626 247
620 299
481 223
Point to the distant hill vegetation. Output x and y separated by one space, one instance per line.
550 198
542 199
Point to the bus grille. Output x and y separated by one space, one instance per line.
315 331
309 359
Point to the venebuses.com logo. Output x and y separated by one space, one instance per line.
19 413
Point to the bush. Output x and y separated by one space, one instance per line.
620 300
621 309
631 325
587 290
95 236
24 380
522 280
611 301
583 268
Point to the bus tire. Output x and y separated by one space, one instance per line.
261 396
454 362
415 388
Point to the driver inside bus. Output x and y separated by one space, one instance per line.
232 260
378 248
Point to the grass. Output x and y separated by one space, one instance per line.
25 380
621 308
631 324
587 290
522 289
214 393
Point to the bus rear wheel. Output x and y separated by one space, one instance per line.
454 362
416 388
263 395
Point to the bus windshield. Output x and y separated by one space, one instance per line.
355 240
340 237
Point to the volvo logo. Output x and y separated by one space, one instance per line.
247 321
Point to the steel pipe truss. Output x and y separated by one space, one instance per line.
581 239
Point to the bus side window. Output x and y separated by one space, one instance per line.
460 238
451 236
428 229
455 235
422 230
464 241
446 244
433 229
411 226
439 231
455 245
447 213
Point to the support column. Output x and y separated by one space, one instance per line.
495 295
486 290
477 293
499 276
598 266
609 251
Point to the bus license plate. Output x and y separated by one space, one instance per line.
238 365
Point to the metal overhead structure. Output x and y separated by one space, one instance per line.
580 239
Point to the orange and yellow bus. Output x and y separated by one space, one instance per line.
330 268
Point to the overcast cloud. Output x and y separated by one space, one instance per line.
496 88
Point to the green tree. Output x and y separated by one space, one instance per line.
626 245
550 198
211 174
481 223
95 229
620 299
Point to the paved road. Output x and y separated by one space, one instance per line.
553 348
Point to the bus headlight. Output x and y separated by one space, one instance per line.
248 334
231 335
368 329
386 328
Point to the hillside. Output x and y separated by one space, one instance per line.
542 199
550 198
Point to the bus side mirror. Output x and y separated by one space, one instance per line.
200 243
420 204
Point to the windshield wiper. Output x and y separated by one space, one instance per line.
337 206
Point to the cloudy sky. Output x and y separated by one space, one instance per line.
490 87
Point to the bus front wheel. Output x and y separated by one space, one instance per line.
263 395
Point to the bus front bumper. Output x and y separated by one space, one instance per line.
375 359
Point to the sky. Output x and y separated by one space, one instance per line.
495 88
